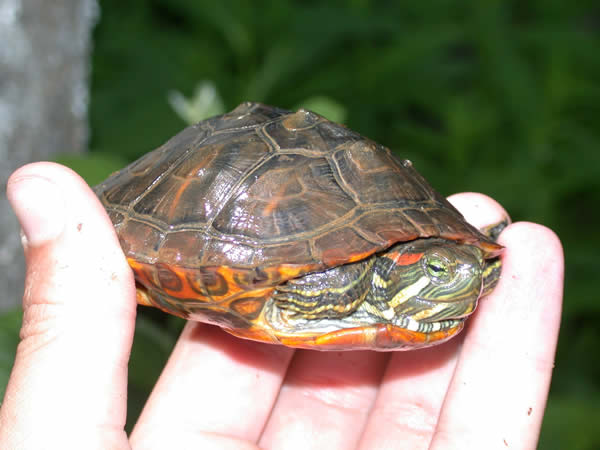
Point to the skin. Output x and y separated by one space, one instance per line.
485 389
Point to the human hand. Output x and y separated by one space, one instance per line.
485 389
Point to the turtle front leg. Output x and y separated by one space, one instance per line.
333 293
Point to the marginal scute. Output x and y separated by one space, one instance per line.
386 226
337 242
225 252
286 252
183 247
140 240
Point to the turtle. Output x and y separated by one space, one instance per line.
287 228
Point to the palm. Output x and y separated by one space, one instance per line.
484 389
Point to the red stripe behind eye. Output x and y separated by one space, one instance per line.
404 259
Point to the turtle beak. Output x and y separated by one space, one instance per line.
491 249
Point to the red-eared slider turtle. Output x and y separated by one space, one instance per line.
287 228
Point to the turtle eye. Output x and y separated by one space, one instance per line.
438 267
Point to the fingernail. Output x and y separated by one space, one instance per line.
39 207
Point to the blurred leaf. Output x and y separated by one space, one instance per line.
571 423
150 339
93 168
152 346
10 324
326 107
204 103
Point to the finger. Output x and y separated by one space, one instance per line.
478 209
215 390
498 392
410 398
69 378
325 400
412 391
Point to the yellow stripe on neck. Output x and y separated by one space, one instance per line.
409 291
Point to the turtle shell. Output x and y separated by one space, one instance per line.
249 199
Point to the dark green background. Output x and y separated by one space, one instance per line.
500 97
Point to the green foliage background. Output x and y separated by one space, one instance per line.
501 97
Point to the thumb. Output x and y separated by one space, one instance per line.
68 384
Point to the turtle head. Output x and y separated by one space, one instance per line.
427 285
414 294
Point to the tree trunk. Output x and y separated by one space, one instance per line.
44 59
